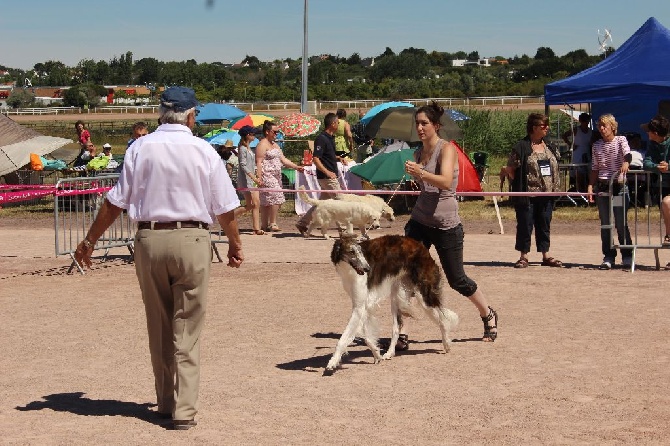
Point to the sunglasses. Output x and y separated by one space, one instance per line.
544 126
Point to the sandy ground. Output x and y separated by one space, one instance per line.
582 356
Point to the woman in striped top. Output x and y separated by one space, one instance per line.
611 157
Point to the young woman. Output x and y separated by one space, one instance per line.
87 151
269 161
246 177
435 220
611 157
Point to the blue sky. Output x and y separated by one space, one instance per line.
35 31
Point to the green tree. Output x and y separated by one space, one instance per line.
20 98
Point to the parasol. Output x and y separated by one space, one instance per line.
384 168
298 125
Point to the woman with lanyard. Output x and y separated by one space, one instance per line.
533 167
435 220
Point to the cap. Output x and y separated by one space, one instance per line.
106 146
247 130
179 99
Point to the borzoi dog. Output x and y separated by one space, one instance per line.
339 211
394 266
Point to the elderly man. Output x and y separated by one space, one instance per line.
173 200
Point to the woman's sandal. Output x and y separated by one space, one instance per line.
666 240
488 334
521 263
259 232
550 261
403 343
273 228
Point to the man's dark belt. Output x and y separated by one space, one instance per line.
172 225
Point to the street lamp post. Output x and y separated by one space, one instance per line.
303 94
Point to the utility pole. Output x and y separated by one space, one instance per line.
303 94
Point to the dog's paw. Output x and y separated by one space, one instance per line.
388 355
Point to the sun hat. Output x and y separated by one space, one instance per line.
247 130
106 146
229 143
179 99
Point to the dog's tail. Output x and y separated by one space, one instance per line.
306 198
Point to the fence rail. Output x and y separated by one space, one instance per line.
640 193
76 205
315 106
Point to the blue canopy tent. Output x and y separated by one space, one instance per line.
630 83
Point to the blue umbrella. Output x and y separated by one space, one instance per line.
215 113
231 135
455 115
381 107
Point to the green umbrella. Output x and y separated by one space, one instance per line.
385 168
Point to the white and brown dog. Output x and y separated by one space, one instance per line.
390 266
351 213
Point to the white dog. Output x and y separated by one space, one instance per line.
375 202
394 266
339 211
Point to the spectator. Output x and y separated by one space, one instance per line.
656 160
579 139
247 177
611 158
87 150
269 161
532 166
140 129
344 140
325 159
172 245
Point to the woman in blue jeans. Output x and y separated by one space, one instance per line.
435 219
533 167
611 158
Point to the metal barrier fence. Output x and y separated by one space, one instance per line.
642 194
76 205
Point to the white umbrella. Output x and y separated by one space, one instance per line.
18 142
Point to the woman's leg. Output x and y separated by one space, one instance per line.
254 201
543 211
274 211
665 209
524 228
449 247
265 215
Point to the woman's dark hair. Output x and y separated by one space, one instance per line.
76 125
267 126
432 111
536 119
341 113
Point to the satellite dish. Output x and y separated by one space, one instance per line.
604 40
27 83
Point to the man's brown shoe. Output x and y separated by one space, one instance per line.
184 425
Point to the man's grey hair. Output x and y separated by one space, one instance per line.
168 116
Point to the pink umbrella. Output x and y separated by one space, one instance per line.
298 125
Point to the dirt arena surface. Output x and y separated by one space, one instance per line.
582 356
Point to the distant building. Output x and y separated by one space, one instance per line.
464 62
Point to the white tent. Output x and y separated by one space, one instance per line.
18 142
